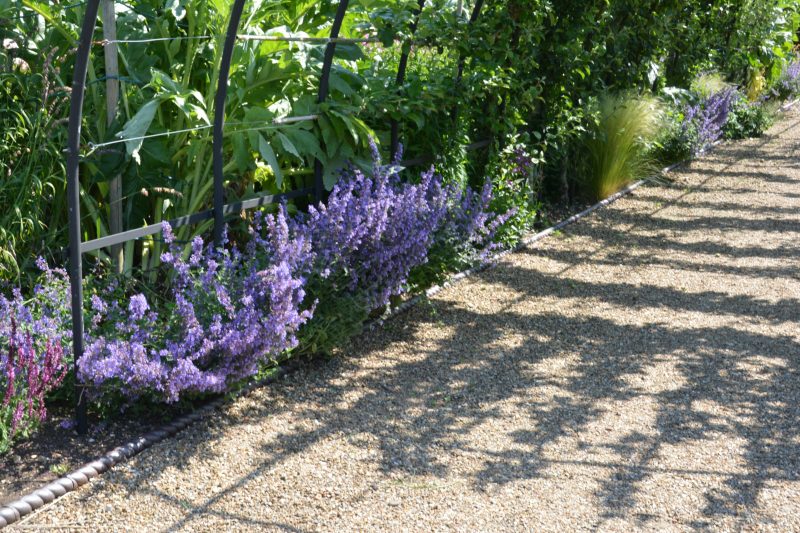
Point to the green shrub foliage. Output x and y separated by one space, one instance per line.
748 119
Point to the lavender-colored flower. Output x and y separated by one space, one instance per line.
789 81
232 311
138 306
32 361
523 163
708 118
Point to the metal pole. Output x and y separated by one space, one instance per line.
324 81
401 76
219 119
111 57
73 199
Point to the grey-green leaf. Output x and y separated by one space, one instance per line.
137 127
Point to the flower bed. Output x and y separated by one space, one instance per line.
228 312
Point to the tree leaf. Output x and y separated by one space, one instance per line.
288 145
306 142
137 127
268 154
241 155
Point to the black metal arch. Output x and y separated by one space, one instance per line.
462 61
324 87
219 118
219 107
73 197
77 248
220 210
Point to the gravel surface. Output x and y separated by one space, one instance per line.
639 371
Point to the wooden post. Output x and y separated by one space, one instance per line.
110 53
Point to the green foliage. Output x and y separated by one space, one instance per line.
338 316
31 165
708 83
616 146
748 119
521 69
676 140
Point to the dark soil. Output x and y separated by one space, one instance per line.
54 451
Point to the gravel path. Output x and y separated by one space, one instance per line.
639 371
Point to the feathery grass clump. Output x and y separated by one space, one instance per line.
709 83
616 146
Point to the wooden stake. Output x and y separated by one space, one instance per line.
110 53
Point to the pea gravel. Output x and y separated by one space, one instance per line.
638 371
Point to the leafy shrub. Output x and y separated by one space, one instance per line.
616 145
788 83
677 140
517 179
748 119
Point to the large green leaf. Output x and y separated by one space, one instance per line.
268 154
137 127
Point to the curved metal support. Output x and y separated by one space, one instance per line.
73 198
401 76
219 119
324 88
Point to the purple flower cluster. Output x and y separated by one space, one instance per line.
32 355
709 117
230 311
522 162
789 81
470 226
376 229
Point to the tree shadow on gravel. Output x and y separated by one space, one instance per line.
421 412
461 367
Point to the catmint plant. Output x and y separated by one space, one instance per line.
229 312
788 84
376 228
708 118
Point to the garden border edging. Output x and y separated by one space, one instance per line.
18 509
